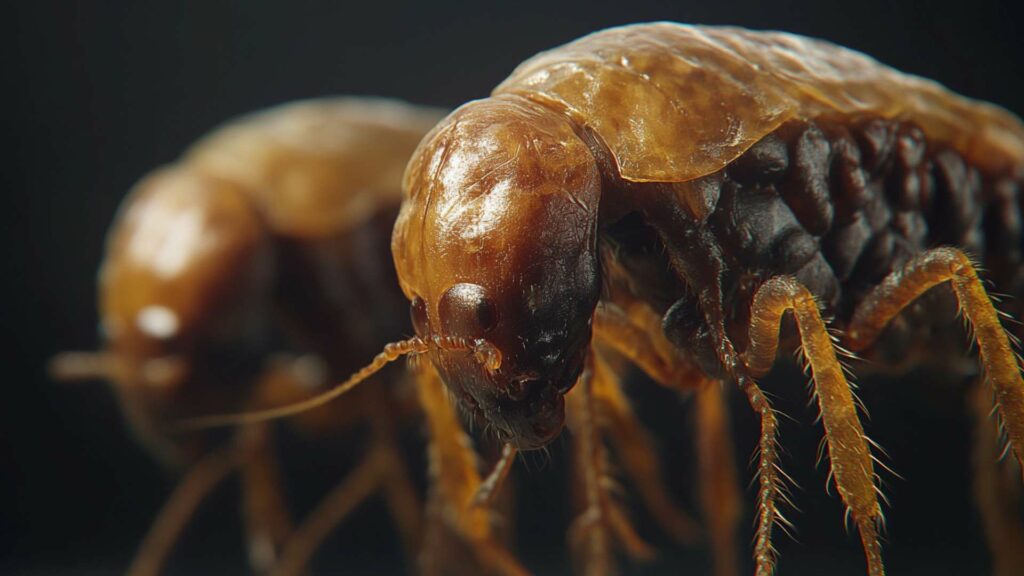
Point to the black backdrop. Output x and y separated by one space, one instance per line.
96 96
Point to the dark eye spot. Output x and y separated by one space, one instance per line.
465 310
418 312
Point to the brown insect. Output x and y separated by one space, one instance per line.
693 184
670 192
269 230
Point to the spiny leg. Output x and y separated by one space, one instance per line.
198 482
770 479
719 487
852 463
996 490
635 448
998 359
267 520
455 481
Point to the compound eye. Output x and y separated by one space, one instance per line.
465 311
418 312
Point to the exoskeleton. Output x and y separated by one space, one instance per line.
669 193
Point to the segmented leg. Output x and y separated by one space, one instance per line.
267 520
343 499
852 464
635 449
402 500
600 523
719 487
770 478
1000 363
455 481
198 482
996 490
383 470
636 333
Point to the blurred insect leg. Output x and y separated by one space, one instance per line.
998 359
719 487
198 482
996 490
589 537
852 463
635 448
267 519
455 480
636 333
403 503
359 485
601 522
398 490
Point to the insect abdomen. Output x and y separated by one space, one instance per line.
842 205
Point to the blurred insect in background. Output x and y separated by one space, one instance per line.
670 193
270 235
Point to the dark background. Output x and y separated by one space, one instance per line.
97 96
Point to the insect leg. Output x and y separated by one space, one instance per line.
635 449
1000 363
636 333
719 487
332 510
997 493
198 482
601 523
852 464
770 478
455 480
397 487
267 520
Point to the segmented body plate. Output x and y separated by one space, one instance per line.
319 166
675 102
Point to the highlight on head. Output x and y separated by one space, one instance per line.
497 240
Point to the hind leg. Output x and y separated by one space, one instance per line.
996 491
848 450
998 359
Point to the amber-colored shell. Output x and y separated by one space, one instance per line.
675 102
319 166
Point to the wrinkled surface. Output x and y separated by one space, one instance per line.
318 166
675 102
497 239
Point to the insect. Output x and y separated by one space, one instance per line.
671 192
268 233
694 184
